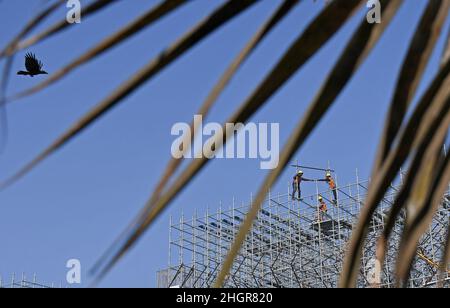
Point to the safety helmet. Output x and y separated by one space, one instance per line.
320 198
300 172
328 174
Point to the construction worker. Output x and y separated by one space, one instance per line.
332 184
323 209
298 178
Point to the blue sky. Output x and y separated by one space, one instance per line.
77 202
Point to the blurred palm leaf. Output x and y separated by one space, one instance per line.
423 42
174 164
216 20
123 34
417 138
20 44
354 54
420 50
141 222
9 50
300 51
407 186
434 99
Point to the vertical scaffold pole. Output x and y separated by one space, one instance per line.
207 244
338 205
194 248
170 251
181 248
319 224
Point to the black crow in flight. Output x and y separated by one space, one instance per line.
33 66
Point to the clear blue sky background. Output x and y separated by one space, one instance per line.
77 202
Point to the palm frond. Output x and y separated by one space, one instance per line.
9 50
434 100
222 15
58 27
405 190
173 164
424 201
123 34
414 65
32 24
359 46
329 21
446 53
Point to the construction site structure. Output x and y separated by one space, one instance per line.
22 282
293 245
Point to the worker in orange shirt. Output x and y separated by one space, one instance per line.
332 184
297 181
323 209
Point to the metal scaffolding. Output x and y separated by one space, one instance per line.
24 283
293 244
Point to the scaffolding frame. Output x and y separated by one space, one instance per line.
291 246
24 283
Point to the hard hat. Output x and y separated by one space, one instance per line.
328 174
320 198
300 172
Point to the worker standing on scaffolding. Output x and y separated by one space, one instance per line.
296 184
330 181
323 209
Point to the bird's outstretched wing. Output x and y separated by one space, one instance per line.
32 64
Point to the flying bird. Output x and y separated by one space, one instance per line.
33 66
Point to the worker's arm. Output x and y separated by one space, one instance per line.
322 180
307 180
